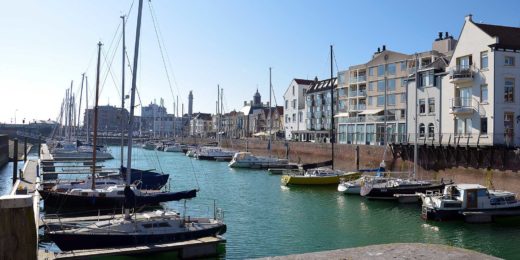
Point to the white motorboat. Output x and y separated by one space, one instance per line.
354 187
248 160
176 148
458 199
214 154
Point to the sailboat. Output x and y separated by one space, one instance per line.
322 175
147 228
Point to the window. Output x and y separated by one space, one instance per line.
508 125
483 125
293 90
403 98
403 65
380 86
509 61
509 90
391 100
464 62
294 103
403 82
421 130
370 101
484 60
483 93
391 85
431 105
467 128
431 129
380 70
360 134
390 68
426 79
294 117
371 71
422 106
403 113
459 126
380 101
371 86
304 91
286 104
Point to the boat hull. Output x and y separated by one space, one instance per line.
75 241
387 193
317 180
215 158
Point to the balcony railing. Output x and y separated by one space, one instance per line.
461 105
358 79
357 107
461 73
359 93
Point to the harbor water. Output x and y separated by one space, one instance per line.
267 219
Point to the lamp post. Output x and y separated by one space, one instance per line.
16 110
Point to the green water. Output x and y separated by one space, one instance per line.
266 219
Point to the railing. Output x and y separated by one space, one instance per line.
461 105
359 93
461 72
358 79
357 107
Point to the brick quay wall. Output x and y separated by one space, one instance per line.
495 167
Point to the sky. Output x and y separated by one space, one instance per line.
44 45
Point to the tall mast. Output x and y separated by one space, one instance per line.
87 113
94 139
270 111
332 104
123 92
80 98
415 150
221 109
132 101
69 106
218 113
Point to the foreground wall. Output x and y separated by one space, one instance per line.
4 149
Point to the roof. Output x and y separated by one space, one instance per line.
322 85
469 186
304 81
508 37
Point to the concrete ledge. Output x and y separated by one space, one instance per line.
16 201
394 251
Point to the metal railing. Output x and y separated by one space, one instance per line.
358 79
461 72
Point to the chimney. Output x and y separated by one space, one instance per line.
440 36
469 17
446 35
316 79
378 50
384 47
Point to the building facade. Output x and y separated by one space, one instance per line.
294 108
318 101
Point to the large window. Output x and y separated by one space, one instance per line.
484 60
421 130
509 90
380 70
300 116
371 71
431 130
391 100
403 65
391 85
509 61
426 79
422 106
390 68
294 103
371 85
483 93
431 105
286 104
464 62
371 133
509 124
380 86
380 101
370 101
483 125
403 98
360 134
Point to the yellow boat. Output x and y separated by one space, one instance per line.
319 176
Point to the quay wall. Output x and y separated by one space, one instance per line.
18 238
4 149
497 168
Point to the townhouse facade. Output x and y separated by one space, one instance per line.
481 87
294 109
318 102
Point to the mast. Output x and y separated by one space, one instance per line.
218 113
80 98
415 150
270 111
94 139
123 92
132 101
69 106
88 114
332 105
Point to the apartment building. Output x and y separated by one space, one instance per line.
372 99
294 109
425 95
480 90
318 108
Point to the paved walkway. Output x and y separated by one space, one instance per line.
394 251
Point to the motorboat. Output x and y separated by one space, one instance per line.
78 151
354 186
173 148
374 189
248 160
214 154
318 176
458 200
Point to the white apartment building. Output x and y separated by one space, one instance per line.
294 109
480 91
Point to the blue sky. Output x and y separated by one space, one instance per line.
46 44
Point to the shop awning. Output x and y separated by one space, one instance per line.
371 111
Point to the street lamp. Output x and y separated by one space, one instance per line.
16 110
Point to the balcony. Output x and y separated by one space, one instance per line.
461 106
358 79
357 107
461 74
360 93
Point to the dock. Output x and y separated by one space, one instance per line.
197 248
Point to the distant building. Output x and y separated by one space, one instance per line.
294 109
109 118
318 107
201 125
